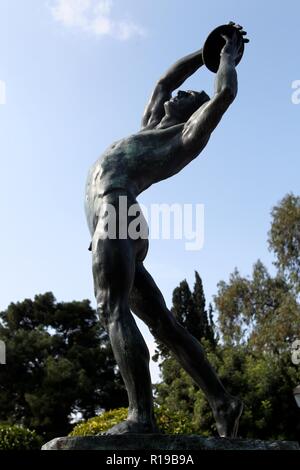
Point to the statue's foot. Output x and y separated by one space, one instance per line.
227 417
132 427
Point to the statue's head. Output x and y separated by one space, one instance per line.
185 103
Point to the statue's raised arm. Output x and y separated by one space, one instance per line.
207 117
170 81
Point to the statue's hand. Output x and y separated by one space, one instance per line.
234 42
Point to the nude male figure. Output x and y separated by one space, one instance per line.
174 132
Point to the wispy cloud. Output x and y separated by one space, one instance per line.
94 17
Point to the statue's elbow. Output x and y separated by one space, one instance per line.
228 95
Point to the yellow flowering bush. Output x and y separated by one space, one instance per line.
168 423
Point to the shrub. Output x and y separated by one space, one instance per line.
168 422
174 422
99 424
14 437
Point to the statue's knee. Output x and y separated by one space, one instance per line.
96 264
166 327
103 313
109 312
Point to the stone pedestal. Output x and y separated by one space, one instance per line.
163 442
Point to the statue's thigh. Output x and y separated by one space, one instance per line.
113 266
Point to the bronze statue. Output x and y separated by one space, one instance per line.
174 131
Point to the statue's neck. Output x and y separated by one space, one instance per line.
168 121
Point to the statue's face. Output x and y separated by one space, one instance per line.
185 103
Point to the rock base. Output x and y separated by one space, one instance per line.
163 442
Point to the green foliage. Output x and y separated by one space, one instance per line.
169 422
173 422
59 362
190 311
284 238
201 325
263 381
177 392
18 438
260 311
258 318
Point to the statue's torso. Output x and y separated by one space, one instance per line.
133 164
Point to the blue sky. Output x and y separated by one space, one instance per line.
77 79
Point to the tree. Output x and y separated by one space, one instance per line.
284 238
261 311
177 390
201 325
189 309
59 364
258 318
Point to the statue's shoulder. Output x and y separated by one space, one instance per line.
118 146
109 151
